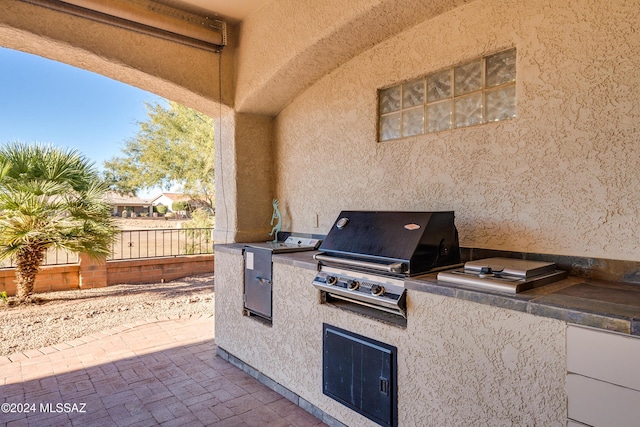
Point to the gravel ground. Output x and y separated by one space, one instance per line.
67 315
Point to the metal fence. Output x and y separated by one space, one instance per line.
151 243
148 243
52 257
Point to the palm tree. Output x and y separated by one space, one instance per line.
50 198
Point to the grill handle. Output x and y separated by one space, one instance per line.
396 267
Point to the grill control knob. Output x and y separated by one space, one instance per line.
377 290
352 285
331 280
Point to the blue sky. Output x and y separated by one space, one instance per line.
51 102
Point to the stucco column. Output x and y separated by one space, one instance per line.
244 174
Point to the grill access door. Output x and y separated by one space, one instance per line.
360 373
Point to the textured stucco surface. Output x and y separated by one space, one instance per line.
560 178
288 44
459 363
244 176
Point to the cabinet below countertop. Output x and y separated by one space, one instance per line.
603 383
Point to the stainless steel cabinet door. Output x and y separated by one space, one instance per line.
257 281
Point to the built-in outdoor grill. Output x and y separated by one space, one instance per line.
367 255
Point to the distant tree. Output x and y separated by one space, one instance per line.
50 198
180 205
174 147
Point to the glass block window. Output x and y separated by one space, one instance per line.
477 92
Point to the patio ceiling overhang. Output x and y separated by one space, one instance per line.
287 45
281 46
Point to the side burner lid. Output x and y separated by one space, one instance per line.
507 275
510 266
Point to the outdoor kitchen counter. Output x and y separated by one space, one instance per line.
600 304
488 363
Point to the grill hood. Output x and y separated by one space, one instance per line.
416 242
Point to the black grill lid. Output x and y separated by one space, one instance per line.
421 240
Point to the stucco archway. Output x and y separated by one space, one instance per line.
197 78
271 58
174 71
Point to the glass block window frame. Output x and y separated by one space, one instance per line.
473 93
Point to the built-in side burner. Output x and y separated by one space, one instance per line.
258 272
507 275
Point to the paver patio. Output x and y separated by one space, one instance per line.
160 372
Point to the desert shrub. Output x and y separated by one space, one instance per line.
200 218
198 240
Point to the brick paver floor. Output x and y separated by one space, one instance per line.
160 372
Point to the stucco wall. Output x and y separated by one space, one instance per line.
560 178
459 363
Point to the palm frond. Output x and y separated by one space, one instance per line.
52 198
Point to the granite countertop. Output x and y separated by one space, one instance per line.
597 303
613 306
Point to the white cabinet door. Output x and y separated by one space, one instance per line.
603 383
606 356
598 403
